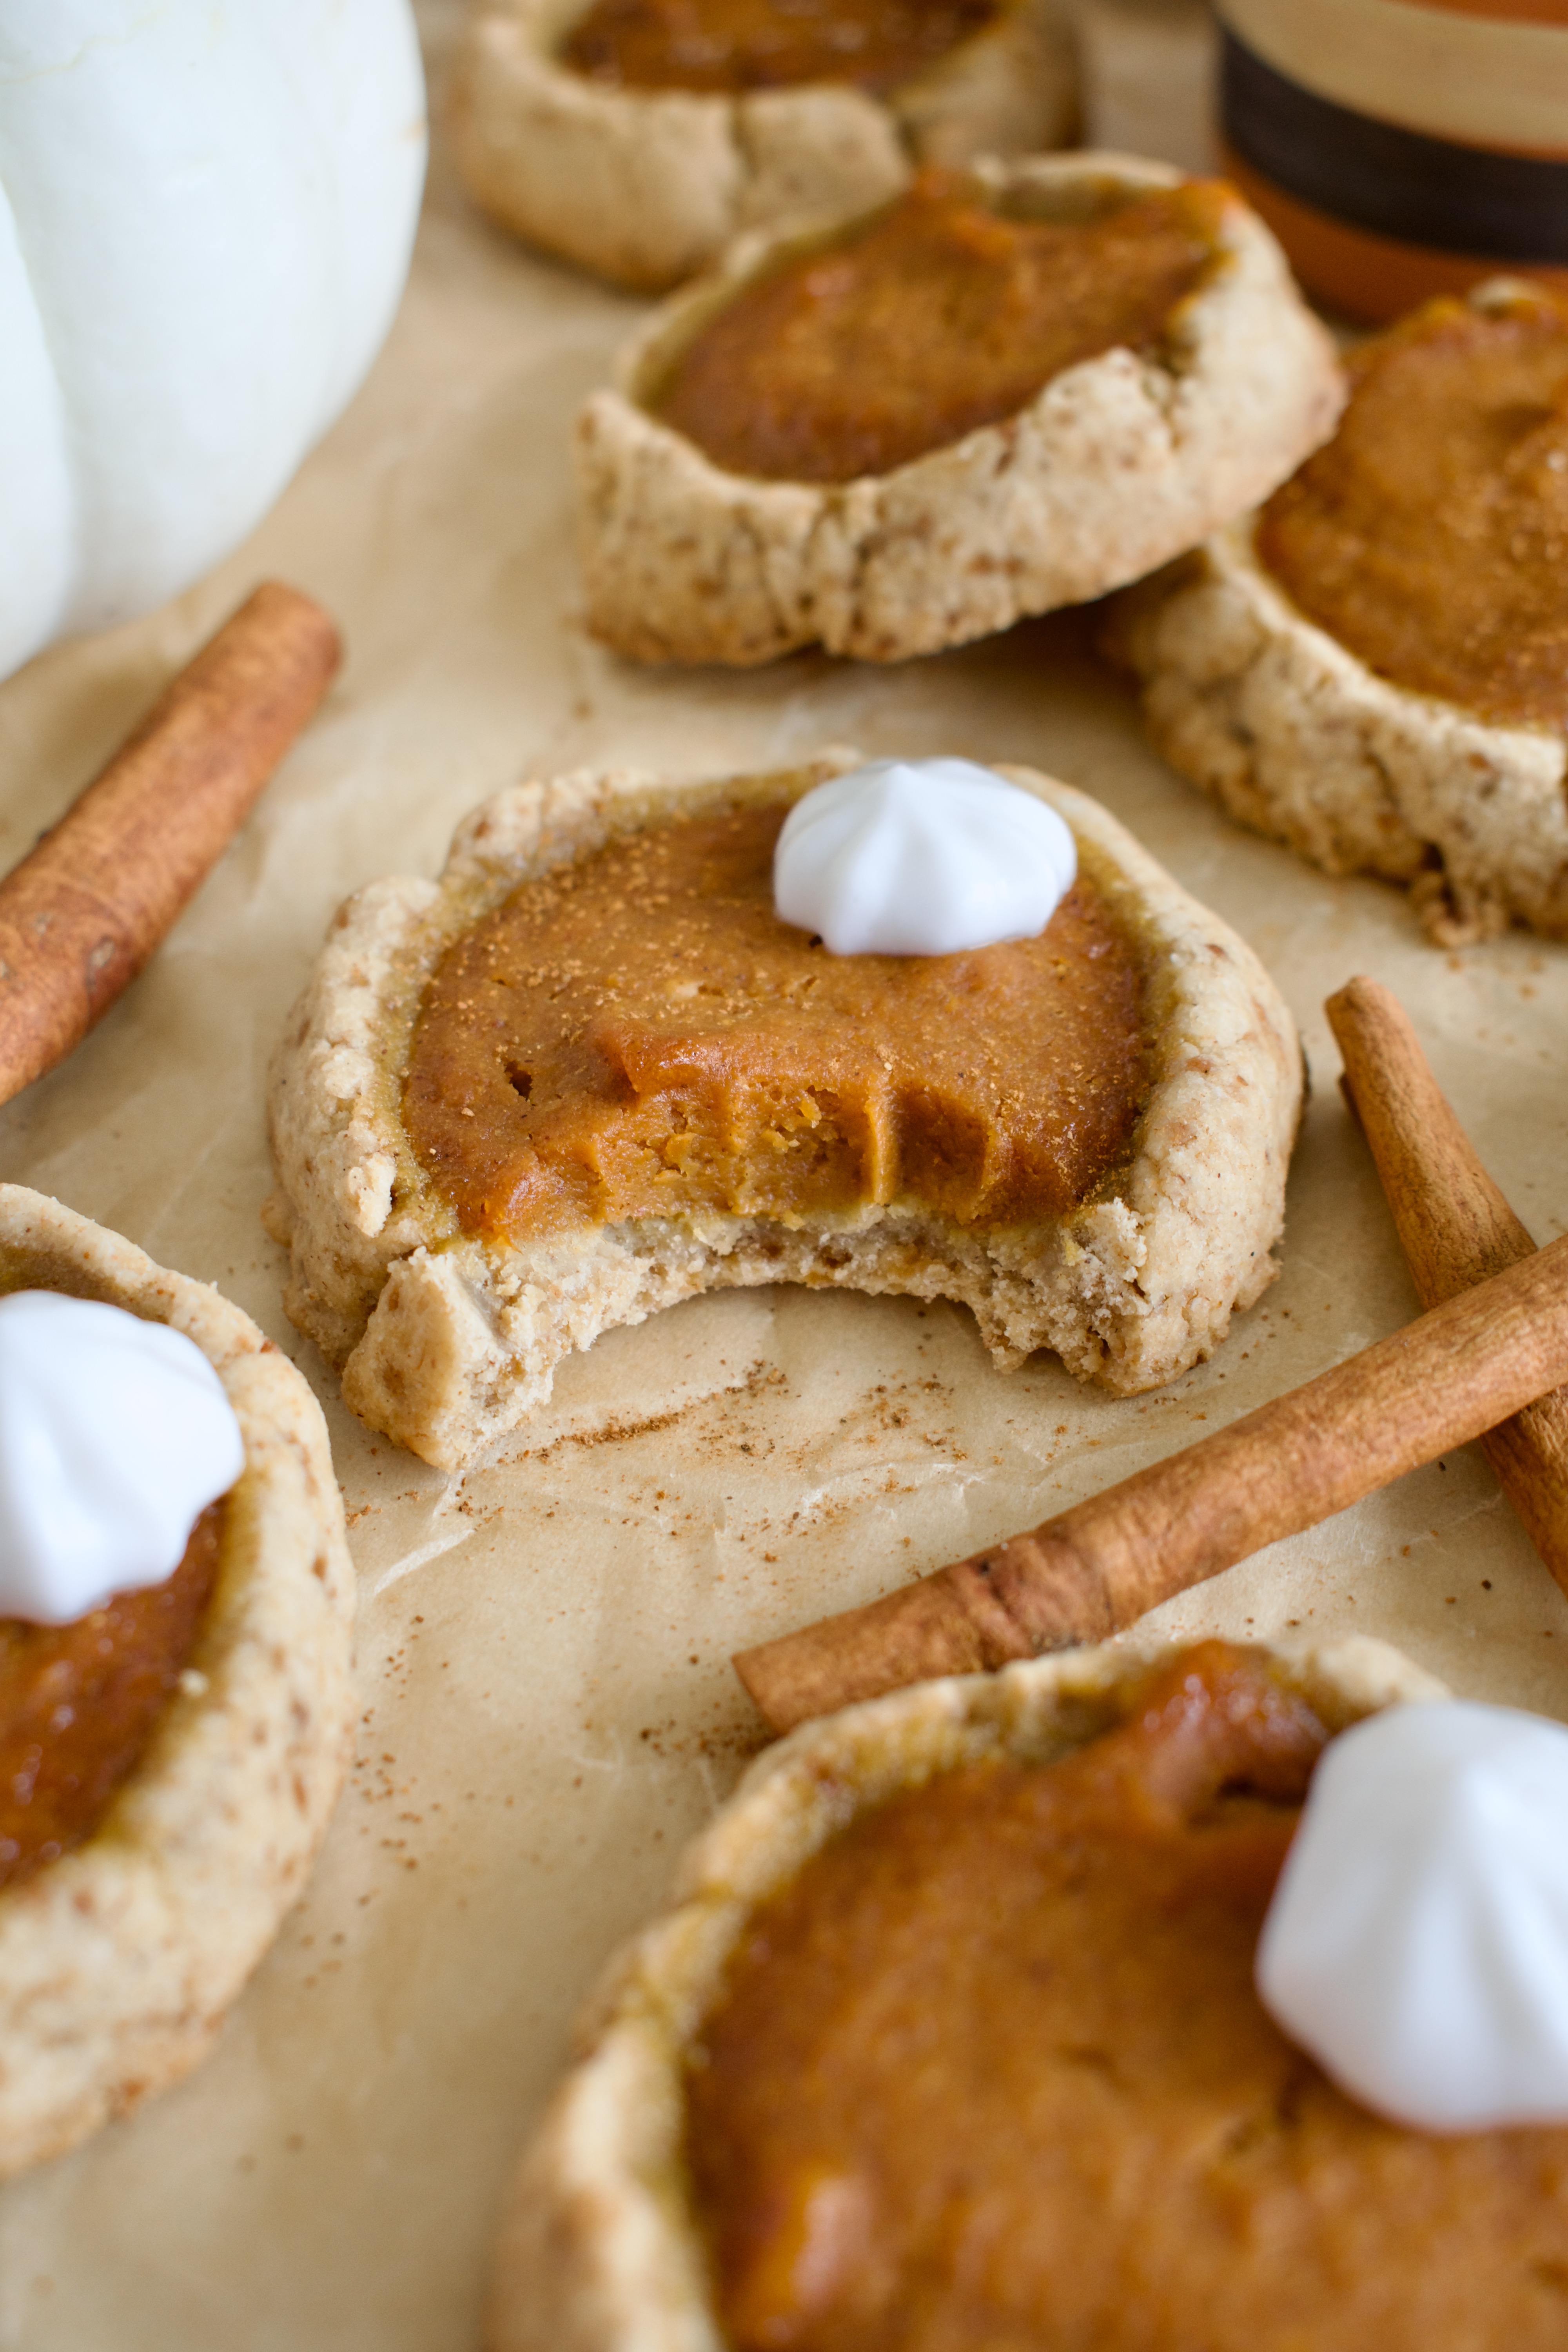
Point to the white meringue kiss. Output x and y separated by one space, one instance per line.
115 1434
1418 1942
921 858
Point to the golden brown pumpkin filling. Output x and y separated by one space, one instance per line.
1431 535
991 2073
639 1035
78 1703
736 45
936 316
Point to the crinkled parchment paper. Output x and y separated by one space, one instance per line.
548 1709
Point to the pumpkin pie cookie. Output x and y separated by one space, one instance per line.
127 1935
1016 388
590 1073
951 2039
637 137
1375 668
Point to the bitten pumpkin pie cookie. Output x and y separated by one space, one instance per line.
637 137
592 1072
172 1758
1015 388
1375 668
952 2040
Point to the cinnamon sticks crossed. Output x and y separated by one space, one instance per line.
84 911
1455 1373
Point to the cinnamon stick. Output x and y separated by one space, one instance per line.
1454 1228
83 911
1460 1369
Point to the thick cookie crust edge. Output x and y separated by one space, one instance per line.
597 2250
645 187
446 1341
1295 737
117 1962
1116 466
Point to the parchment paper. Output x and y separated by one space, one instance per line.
548 1709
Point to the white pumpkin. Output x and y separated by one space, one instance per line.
207 210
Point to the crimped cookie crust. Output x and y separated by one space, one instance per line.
1116 466
118 1962
446 1340
646 187
598 2250
1294 736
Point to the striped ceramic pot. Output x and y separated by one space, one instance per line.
1401 148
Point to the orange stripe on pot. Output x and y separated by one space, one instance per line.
1366 278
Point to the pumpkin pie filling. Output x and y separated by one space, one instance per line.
78 1703
1430 537
639 1035
720 46
991 2072
936 316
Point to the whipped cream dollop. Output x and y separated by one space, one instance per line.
1417 1941
115 1434
921 858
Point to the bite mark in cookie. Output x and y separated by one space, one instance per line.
641 1035
449 1309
